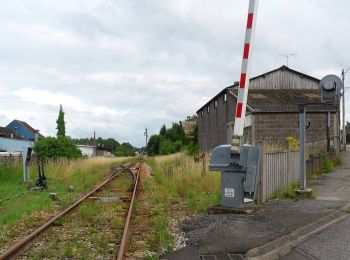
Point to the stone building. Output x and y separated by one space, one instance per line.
272 112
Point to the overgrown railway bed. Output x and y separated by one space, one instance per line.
94 227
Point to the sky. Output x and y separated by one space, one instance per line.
118 66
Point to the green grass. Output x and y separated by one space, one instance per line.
178 176
81 174
290 193
178 188
287 193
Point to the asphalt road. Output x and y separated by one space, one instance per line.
332 243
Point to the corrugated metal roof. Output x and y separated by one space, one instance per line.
285 100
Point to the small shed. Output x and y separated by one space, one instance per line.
87 150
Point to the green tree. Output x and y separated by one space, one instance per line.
125 149
167 147
60 147
162 131
153 145
61 125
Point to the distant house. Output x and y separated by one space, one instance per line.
100 151
8 133
87 150
272 112
24 130
10 142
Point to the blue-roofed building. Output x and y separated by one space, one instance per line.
24 130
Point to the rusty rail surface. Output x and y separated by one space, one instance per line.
125 237
18 248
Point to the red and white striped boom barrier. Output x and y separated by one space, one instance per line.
237 136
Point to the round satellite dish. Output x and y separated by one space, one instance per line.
330 86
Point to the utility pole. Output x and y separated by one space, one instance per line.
146 135
343 72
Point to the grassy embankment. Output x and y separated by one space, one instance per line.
29 208
177 188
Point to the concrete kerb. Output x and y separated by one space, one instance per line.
284 245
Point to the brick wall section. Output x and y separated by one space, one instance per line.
275 128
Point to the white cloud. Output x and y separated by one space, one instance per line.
118 66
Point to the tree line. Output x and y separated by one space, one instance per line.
109 144
63 146
168 141
173 140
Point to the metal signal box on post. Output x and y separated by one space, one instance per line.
239 174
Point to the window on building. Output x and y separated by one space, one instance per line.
202 113
215 103
225 97
208 109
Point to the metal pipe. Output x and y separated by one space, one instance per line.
302 128
344 71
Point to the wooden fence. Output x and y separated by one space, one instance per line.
278 169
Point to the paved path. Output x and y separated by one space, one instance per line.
334 242
335 186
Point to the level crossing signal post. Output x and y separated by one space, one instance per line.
239 163
330 87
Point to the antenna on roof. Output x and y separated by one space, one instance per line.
294 54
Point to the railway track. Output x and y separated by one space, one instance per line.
126 193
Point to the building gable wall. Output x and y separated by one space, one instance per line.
21 131
283 79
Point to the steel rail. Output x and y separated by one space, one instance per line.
122 247
17 248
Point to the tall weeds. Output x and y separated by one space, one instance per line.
179 175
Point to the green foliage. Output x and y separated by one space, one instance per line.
61 125
162 235
192 118
125 149
327 164
60 147
109 144
153 145
193 148
162 131
167 147
293 143
287 193
168 141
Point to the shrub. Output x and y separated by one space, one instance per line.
125 150
60 147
